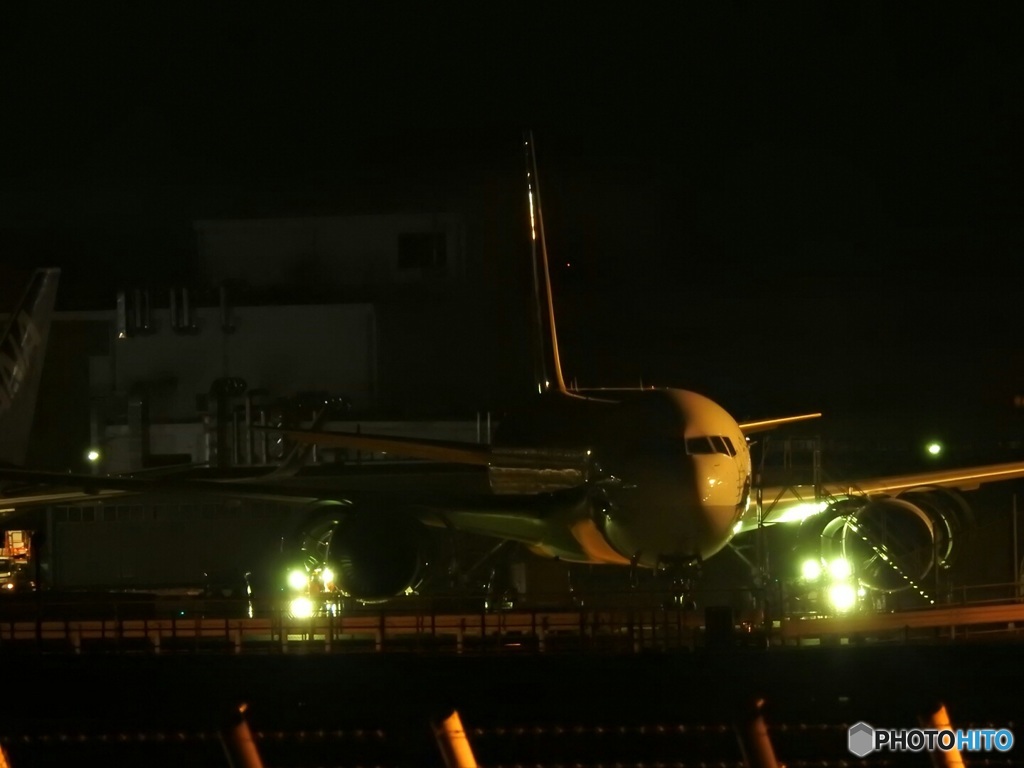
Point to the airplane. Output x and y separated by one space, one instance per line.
649 479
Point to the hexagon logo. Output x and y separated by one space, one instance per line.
860 739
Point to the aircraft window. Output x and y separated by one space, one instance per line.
699 445
723 445
714 444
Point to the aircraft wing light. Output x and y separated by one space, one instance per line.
797 513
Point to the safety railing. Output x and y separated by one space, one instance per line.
616 624
500 632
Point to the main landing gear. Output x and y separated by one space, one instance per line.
489 578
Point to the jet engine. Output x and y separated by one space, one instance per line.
893 543
371 553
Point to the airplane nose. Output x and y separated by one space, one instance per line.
717 479
720 499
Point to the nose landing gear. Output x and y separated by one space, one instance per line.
683 573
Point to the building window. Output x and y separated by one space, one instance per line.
424 251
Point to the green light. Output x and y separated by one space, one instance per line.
934 448
840 569
301 608
842 596
810 570
298 579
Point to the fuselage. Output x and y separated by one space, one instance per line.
666 474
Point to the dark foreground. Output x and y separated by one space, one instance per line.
672 709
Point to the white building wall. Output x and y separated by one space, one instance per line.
284 350
330 250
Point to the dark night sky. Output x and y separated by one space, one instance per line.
812 207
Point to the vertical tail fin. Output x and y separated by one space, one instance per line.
22 350
548 366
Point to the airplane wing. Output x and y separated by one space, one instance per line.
440 496
24 488
407 447
763 425
795 503
25 498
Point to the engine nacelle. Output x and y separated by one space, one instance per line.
374 553
894 542
378 555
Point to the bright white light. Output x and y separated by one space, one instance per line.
301 608
934 448
92 455
810 570
798 512
298 579
840 569
842 597
326 576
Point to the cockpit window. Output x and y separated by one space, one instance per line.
713 444
723 445
699 445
